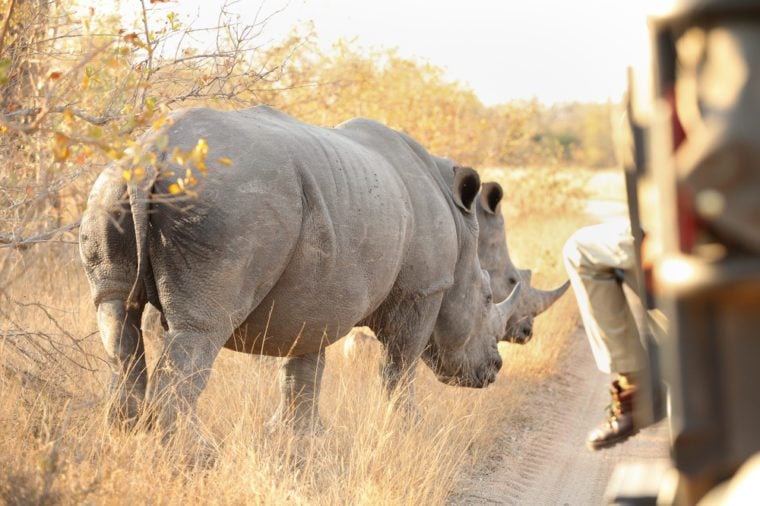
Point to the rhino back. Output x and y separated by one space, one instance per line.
433 251
304 235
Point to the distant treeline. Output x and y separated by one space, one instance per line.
78 86
327 87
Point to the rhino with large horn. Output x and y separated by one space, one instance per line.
308 232
494 257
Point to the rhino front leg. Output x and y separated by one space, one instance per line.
404 329
300 380
120 333
398 373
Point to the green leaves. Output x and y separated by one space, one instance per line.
5 67
174 23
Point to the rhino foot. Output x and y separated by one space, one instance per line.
125 413
301 426
195 448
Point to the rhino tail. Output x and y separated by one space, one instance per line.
144 286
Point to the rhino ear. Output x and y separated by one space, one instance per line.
466 186
490 196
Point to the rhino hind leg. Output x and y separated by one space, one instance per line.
122 339
181 374
300 379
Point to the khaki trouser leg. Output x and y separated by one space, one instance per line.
591 256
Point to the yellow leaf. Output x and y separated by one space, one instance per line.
159 122
61 147
61 154
134 39
178 156
174 188
198 154
115 154
225 161
200 150
127 175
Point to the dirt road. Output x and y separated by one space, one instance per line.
545 460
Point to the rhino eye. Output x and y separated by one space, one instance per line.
489 298
512 281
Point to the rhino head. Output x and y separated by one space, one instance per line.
494 257
463 348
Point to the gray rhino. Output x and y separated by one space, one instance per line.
310 232
494 257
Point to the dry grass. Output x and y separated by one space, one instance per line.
55 446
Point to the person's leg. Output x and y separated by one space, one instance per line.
592 256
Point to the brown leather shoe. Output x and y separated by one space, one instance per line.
619 424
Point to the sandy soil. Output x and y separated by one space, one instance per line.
543 460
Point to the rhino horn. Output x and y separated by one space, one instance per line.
508 305
545 298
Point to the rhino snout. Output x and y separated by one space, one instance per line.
483 376
519 332
493 370
524 334
474 377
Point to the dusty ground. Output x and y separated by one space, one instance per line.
543 459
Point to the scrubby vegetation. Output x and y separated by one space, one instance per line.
56 447
77 87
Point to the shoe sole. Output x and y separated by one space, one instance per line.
608 443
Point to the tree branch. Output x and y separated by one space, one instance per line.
94 120
6 23
10 241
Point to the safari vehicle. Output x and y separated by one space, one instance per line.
697 145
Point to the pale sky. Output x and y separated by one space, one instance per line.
554 50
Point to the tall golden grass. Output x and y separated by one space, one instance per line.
57 448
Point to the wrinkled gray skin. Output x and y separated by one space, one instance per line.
310 232
494 257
